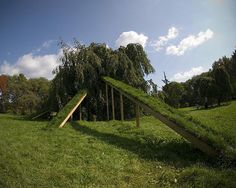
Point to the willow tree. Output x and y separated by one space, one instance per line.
83 67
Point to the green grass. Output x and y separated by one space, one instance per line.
59 118
104 154
221 140
222 120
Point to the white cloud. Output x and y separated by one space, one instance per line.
33 66
131 37
183 76
172 34
189 42
46 44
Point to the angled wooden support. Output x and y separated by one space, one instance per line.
72 111
137 115
112 103
107 102
121 107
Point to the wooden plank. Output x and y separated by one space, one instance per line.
107 102
137 115
112 103
40 115
72 111
121 107
203 146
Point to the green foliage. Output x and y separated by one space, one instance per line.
59 118
222 81
25 96
216 85
3 93
82 68
174 92
218 140
105 154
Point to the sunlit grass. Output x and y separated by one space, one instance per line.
99 154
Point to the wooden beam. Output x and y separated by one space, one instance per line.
112 103
137 115
72 111
40 115
107 102
198 143
121 107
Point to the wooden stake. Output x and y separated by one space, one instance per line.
107 102
121 108
80 113
112 104
137 115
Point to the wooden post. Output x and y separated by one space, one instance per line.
107 102
137 115
121 108
112 104
80 113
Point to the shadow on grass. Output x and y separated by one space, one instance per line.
210 107
179 154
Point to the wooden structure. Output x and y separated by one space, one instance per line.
197 142
67 111
70 114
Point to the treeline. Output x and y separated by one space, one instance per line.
209 88
20 95
82 67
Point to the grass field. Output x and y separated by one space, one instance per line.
110 154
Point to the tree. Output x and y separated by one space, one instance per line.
222 80
232 73
3 93
165 80
174 92
82 68
25 96
207 89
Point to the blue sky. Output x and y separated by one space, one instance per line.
181 37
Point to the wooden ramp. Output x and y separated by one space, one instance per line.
66 112
166 114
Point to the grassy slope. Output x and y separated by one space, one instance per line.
220 119
59 118
221 140
103 154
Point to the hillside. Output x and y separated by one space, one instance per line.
108 153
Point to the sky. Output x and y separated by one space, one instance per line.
181 38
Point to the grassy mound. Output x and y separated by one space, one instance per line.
59 118
221 140
104 154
